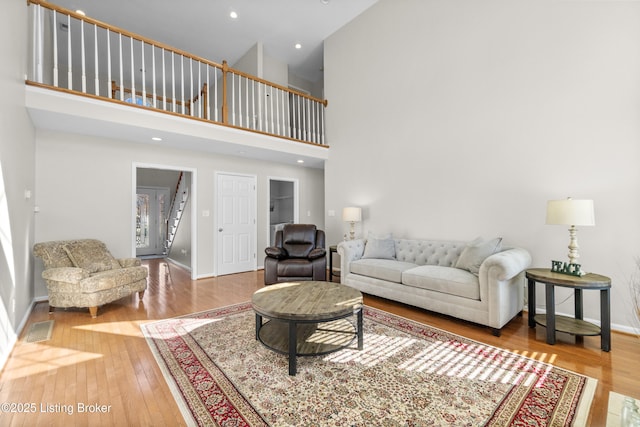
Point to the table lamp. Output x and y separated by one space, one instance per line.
572 213
352 215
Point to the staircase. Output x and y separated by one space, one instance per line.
175 212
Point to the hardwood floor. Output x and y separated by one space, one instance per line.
106 365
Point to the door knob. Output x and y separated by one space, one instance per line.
219 229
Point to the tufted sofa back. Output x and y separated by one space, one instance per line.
429 252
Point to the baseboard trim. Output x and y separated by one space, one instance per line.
12 336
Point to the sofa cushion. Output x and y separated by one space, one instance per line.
53 255
476 252
383 269
91 255
380 247
111 279
429 252
447 280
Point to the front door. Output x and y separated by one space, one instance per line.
236 218
151 214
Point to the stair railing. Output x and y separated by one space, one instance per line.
77 54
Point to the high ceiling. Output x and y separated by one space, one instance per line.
205 28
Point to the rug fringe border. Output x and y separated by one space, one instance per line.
168 378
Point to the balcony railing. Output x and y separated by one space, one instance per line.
74 53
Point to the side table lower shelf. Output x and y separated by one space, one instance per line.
570 325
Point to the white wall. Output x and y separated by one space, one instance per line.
16 177
457 119
84 190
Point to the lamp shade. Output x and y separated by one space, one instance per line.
352 214
570 212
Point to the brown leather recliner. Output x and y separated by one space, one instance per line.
298 254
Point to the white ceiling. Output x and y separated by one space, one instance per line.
204 28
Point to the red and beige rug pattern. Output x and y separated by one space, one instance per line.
407 374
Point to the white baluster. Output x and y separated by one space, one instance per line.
55 49
233 99
277 112
164 81
322 123
82 56
254 122
215 91
191 87
95 49
246 103
173 81
271 108
208 109
240 99
109 63
34 47
260 118
309 128
121 68
182 81
153 74
313 121
300 117
69 72
199 91
143 70
283 97
133 75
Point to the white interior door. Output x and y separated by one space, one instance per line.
236 218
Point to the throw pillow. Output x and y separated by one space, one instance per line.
91 256
380 247
476 252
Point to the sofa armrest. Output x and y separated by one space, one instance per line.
65 274
349 251
507 264
129 262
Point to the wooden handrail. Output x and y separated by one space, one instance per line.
237 99
126 33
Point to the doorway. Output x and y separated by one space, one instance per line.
151 216
183 246
283 204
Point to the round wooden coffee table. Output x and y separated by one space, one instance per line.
307 318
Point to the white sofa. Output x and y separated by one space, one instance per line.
476 281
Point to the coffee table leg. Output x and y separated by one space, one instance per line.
293 345
360 333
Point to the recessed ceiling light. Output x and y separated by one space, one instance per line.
81 12
324 1
233 14
156 138
298 46
300 161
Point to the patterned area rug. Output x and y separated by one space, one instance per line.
407 374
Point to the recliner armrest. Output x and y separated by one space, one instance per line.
317 253
65 274
276 252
